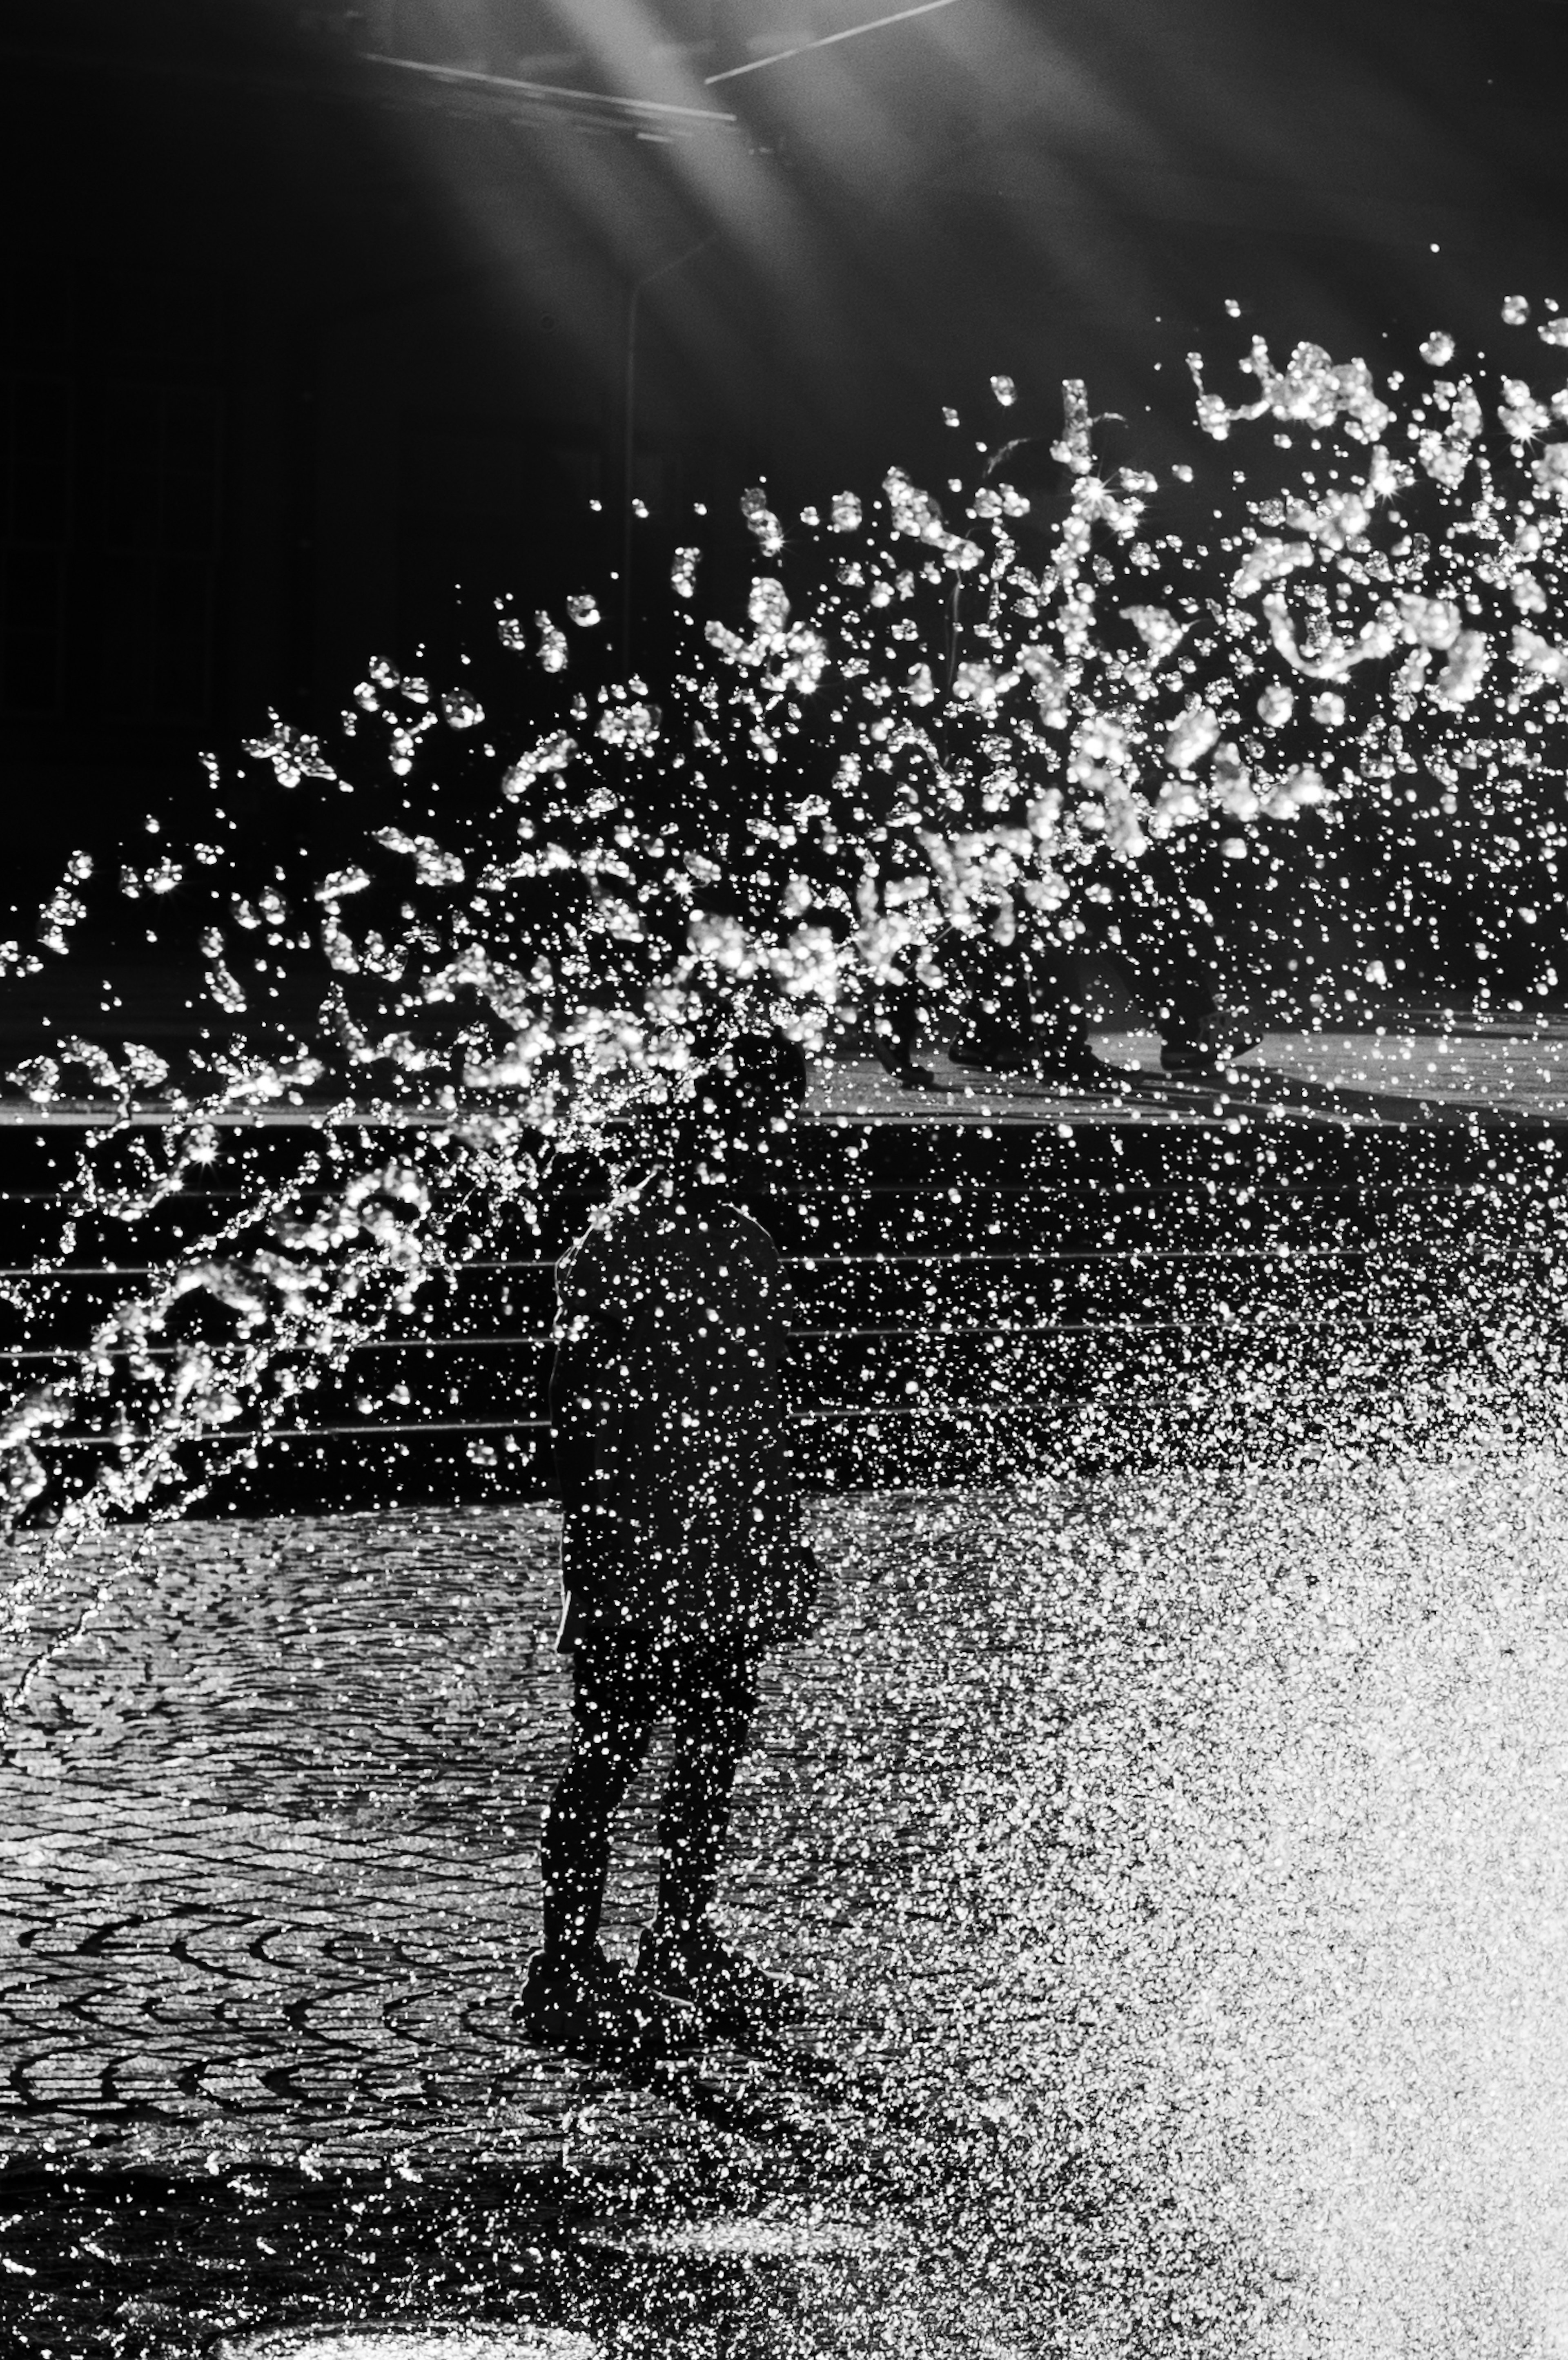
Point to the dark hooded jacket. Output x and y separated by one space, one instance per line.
681 1507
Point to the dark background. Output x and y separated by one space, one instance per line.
298 339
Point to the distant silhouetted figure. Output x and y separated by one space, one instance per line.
1029 1002
1023 1005
682 1563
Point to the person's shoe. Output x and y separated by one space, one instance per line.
591 2008
730 1992
991 1052
1074 1062
1037 1060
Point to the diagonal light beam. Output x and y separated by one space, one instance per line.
825 41
507 86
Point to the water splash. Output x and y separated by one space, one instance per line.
932 721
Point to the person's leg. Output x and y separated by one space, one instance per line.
681 1955
998 1021
574 1997
1030 1017
612 1721
1166 930
712 1721
896 1030
1167 941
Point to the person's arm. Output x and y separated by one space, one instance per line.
794 1608
573 1421
597 1290
573 1410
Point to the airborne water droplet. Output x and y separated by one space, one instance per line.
761 520
915 764
552 644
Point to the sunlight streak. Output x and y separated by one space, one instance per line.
825 41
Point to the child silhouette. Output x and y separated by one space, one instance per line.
682 1563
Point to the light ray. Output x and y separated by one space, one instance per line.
509 85
825 41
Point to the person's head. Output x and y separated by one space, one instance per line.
742 1103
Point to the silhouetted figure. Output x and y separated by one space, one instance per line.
1160 937
682 1563
1023 1005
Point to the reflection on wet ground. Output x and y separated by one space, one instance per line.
1178 1864
1392 1073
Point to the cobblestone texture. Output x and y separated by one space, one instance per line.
271 1802
268 1824
1178 1865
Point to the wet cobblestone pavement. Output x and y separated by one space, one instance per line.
1179 1866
